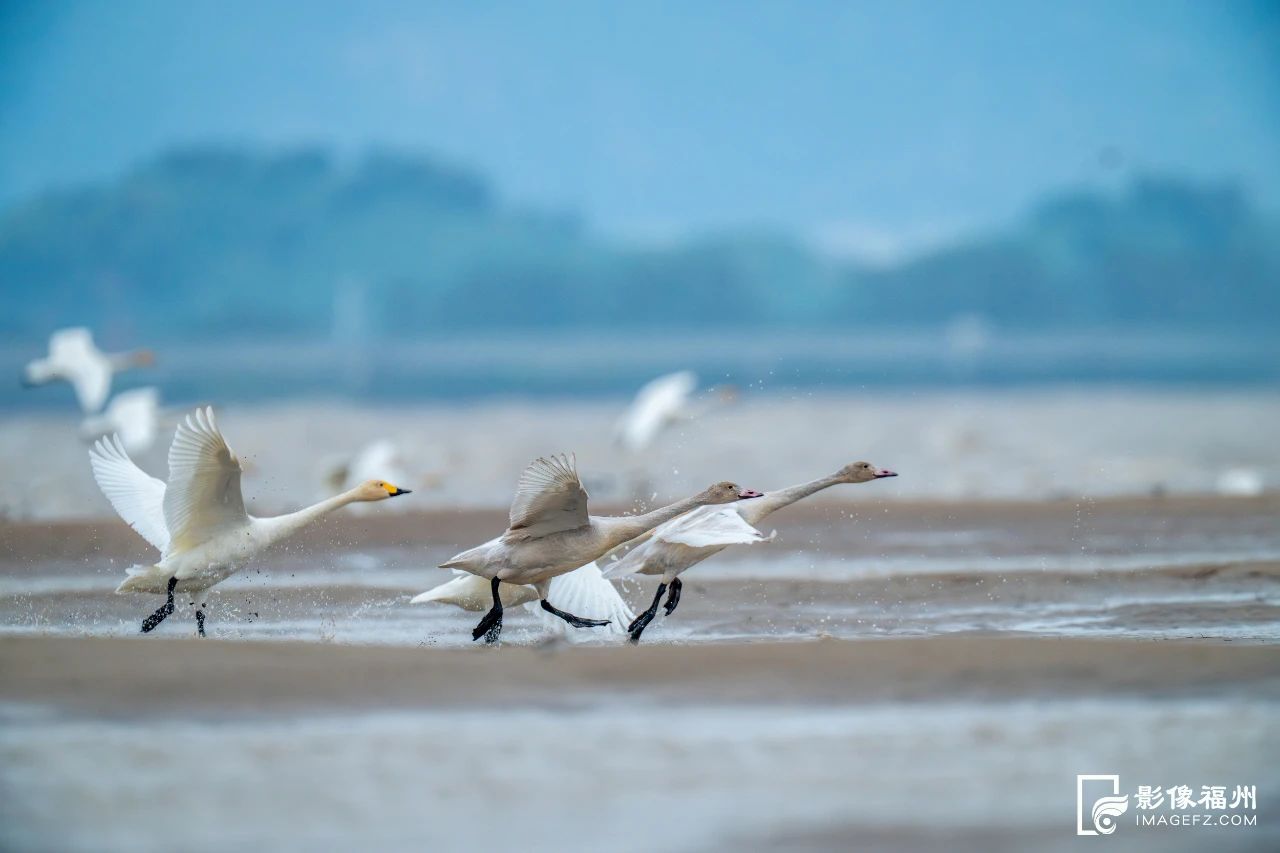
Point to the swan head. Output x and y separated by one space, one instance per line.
727 493
142 358
863 472
378 490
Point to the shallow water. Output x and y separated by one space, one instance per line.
846 573
620 776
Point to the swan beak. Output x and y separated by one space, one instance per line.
885 472
399 491
747 494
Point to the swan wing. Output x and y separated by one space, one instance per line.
203 498
655 405
709 525
677 540
585 592
134 413
549 498
75 356
471 592
136 496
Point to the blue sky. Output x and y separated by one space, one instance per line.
868 127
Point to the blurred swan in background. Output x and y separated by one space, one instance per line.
656 406
133 415
551 534
198 521
583 590
381 458
688 540
74 358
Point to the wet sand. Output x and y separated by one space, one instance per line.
900 676
148 675
902 744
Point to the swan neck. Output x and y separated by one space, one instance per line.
754 510
626 528
282 526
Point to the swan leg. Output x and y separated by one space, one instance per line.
200 620
490 626
673 597
575 621
162 612
642 621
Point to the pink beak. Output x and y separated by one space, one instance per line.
749 493
885 472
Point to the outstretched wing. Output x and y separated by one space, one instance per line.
682 539
78 359
474 593
203 498
549 498
135 495
585 592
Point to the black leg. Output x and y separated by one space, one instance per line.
490 626
162 613
673 598
575 621
642 621
200 619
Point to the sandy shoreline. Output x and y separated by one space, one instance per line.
156 675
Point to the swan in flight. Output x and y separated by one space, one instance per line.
133 415
669 553
658 405
74 358
198 521
551 534
583 590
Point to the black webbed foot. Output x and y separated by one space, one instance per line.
490 626
575 621
636 628
162 612
673 597
200 621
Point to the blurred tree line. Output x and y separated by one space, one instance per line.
213 241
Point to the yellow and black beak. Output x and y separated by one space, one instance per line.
396 491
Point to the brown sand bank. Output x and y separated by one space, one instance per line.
159 675
22 542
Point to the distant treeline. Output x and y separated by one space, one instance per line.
211 241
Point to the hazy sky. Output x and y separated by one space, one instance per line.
869 126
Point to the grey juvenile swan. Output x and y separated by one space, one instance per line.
669 554
551 534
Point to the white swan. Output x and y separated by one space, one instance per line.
583 590
551 534
133 415
656 406
671 553
74 358
198 522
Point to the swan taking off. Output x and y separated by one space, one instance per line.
198 521
583 590
133 415
551 534
74 358
657 405
671 552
